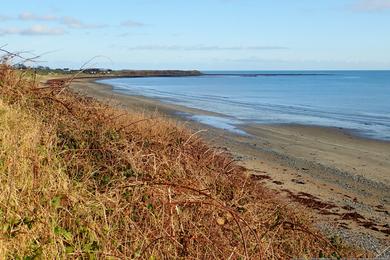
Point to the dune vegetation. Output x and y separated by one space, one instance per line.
81 179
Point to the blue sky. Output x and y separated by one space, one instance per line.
201 34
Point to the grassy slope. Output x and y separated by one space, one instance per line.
80 179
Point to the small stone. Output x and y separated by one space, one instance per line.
221 221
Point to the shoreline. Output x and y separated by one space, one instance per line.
342 178
354 124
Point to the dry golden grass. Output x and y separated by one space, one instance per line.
79 179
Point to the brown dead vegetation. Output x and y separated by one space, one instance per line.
81 179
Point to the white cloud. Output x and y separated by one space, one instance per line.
27 16
72 22
37 30
372 5
68 21
131 23
75 23
42 30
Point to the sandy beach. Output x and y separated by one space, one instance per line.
343 179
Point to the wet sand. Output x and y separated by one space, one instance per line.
343 179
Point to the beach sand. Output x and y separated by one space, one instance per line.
343 179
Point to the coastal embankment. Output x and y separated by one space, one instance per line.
340 177
81 178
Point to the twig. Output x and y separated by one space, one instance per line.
188 140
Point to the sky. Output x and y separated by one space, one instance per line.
200 34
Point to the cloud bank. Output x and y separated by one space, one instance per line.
65 21
68 21
33 30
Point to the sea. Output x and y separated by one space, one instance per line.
356 101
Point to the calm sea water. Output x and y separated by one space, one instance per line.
354 100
